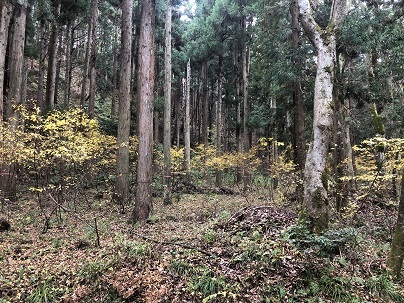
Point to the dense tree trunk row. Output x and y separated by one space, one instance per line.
238 91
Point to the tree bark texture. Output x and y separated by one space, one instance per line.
245 54
41 67
86 66
68 62
167 107
145 87
218 181
299 130
316 201
342 152
396 256
5 16
16 62
187 125
51 72
122 184
114 74
205 103
93 58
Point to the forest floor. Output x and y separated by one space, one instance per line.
202 248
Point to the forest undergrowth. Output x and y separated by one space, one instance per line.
202 248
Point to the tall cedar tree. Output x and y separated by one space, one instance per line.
122 160
167 107
145 93
5 16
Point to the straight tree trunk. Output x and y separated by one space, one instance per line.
8 173
245 53
205 104
167 107
68 62
5 16
239 140
114 74
93 57
178 105
86 66
342 152
300 141
58 66
16 62
187 125
122 193
396 256
298 100
41 68
316 201
145 87
218 181
51 72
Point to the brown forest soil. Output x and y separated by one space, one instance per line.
203 248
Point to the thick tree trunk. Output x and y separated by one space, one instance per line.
93 57
316 178
145 87
316 201
51 72
16 62
167 107
5 16
396 256
298 100
5 182
187 125
8 173
122 193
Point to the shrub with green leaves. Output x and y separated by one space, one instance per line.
208 284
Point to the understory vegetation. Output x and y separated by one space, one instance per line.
69 241
203 248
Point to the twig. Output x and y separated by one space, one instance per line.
371 185
96 232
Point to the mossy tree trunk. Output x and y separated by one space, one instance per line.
396 256
316 201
